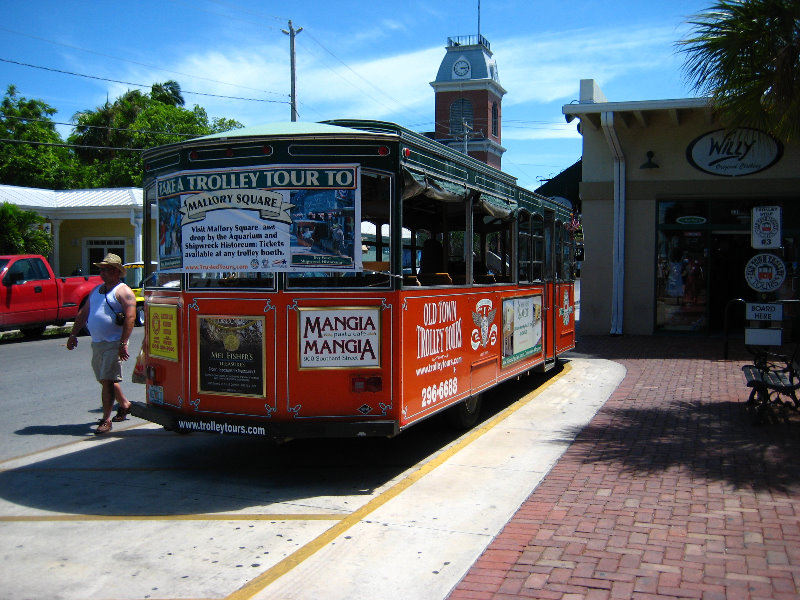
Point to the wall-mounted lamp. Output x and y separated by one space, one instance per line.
569 118
649 164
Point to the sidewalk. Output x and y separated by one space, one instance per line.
669 492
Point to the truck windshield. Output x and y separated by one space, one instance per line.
3 263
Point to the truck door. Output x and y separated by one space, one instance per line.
29 292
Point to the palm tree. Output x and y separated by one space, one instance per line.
168 92
106 125
745 54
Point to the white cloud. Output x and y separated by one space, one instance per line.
536 69
548 68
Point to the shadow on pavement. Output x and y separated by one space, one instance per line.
716 441
149 471
663 416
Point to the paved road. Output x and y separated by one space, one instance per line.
145 513
48 395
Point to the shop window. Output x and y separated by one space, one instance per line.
681 272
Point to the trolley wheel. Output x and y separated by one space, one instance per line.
465 414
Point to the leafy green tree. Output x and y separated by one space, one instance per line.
32 159
168 92
20 232
745 54
115 132
101 134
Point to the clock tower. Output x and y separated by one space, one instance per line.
468 99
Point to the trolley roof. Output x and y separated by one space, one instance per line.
429 158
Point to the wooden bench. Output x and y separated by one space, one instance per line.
770 382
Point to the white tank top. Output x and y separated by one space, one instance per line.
102 321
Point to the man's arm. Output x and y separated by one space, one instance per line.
127 300
78 325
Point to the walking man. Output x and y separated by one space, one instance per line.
110 335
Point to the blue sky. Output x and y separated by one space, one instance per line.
355 59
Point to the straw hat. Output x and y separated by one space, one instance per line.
112 260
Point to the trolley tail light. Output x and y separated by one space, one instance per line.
153 374
366 384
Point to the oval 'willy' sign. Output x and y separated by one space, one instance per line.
734 152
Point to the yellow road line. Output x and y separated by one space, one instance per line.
254 586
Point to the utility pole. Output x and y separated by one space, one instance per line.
468 134
292 33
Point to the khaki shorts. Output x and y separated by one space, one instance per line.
105 361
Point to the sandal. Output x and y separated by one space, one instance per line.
104 427
122 414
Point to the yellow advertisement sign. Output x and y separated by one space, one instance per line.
162 332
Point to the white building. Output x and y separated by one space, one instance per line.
667 196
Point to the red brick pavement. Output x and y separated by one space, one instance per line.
669 492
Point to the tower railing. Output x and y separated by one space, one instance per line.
468 40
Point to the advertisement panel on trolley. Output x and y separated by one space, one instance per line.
464 342
289 218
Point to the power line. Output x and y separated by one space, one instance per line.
134 62
63 145
141 85
76 125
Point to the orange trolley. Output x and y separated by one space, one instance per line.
346 278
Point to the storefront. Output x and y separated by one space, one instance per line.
674 208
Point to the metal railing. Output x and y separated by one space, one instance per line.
468 40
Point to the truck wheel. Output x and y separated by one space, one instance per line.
139 315
465 414
33 332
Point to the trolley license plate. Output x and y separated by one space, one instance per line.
155 394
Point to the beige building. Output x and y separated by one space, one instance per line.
668 198
85 224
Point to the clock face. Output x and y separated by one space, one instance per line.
461 68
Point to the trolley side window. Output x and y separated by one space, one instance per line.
525 257
493 241
537 247
547 257
566 250
436 247
440 250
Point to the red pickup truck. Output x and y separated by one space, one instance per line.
32 297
